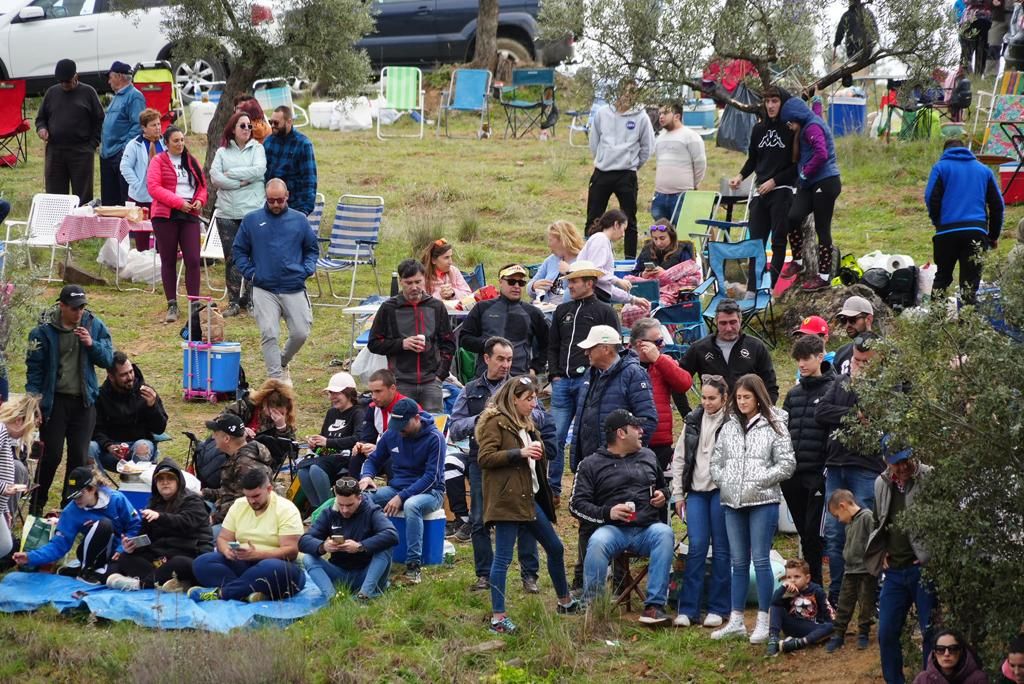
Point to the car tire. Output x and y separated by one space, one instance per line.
196 77
510 47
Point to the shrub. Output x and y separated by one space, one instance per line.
421 230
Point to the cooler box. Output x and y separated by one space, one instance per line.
225 360
1012 194
320 114
700 114
433 538
847 115
137 492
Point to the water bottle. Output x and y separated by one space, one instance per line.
449 553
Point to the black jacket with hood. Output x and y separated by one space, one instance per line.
605 479
183 527
124 416
809 437
770 154
837 401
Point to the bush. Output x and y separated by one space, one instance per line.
469 228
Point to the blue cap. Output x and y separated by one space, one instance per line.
402 412
897 456
120 68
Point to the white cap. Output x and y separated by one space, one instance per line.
601 334
340 382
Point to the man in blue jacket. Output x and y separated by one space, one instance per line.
358 537
276 250
415 449
62 351
120 125
966 207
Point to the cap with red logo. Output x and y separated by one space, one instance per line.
812 325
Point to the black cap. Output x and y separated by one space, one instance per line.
620 418
228 423
65 70
80 478
120 68
73 296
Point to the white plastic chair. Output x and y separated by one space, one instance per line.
44 218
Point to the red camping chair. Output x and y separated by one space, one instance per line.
160 96
14 126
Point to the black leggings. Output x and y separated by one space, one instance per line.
965 247
151 570
818 199
769 217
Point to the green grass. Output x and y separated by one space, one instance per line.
494 198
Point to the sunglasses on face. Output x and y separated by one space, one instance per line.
276 200
516 282
849 319
245 126
659 229
951 649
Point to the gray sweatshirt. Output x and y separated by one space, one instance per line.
621 141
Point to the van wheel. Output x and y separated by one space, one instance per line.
198 76
510 48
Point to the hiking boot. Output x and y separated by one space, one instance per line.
502 626
791 269
174 586
773 646
231 310
713 620
482 584
791 644
834 644
863 641
464 533
814 284
653 615
200 594
122 583
412 574
172 312
530 585
256 597
571 608
733 628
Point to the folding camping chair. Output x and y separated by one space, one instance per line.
756 315
44 218
354 236
468 91
155 80
272 93
212 250
581 121
316 216
521 100
476 278
14 125
692 207
401 89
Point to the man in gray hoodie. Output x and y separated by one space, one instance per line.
621 140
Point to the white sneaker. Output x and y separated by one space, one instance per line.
681 621
122 583
713 620
733 628
760 634
286 376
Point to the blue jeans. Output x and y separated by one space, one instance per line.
106 461
901 588
705 524
563 408
316 485
861 482
608 541
780 621
371 581
664 206
483 554
751 530
505 535
237 579
415 508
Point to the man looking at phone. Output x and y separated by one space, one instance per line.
128 414
358 537
62 351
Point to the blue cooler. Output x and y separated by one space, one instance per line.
136 491
433 538
225 360
847 115
700 114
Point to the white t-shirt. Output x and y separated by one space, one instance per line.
524 437
186 188
681 161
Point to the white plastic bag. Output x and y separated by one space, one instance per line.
142 267
367 363
113 254
352 114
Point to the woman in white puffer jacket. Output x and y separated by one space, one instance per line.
752 456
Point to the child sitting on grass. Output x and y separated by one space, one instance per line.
799 608
859 586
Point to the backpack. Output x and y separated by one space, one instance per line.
902 292
878 280
215 319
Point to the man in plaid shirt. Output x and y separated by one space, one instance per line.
290 158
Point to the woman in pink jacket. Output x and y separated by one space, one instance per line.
176 183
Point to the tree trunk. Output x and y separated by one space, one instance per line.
239 81
485 53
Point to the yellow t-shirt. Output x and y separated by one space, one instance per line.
279 519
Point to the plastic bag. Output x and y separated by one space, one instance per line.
113 254
36 533
367 363
734 126
352 114
142 267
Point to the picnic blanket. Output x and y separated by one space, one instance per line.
26 591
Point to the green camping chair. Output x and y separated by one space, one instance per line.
401 89
694 206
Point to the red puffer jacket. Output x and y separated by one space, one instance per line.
161 181
666 377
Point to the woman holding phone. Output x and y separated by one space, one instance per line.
18 419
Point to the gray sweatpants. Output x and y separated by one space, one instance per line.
269 309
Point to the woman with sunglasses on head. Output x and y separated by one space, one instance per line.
444 280
951 662
237 173
516 492
667 261
565 244
609 228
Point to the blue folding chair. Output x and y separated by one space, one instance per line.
272 93
316 216
475 278
354 236
468 91
683 320
649 290
524 108
756 314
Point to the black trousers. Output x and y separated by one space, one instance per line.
151 570
769 218
113 186
228 229
69 421
622 184
966 248
70 166
857 589
818 199
805 497
97 547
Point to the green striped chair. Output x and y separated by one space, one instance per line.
401 89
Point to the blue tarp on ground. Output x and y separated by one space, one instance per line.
24 591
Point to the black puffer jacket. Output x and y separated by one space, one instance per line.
183 528
692 423
605 480
809 437
839 399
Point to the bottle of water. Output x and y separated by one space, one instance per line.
449 553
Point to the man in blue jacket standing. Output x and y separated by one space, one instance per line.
276 250
966 207
415 449
120 125
62 351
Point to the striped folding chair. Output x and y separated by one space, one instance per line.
354 236
401 89
272 93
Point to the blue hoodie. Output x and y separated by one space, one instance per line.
795 109
417 463
368 526
971 190
276 252
112 505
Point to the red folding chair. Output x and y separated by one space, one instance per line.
159 96
14 126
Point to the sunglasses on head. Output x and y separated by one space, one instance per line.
706 378
659 229
517 282
951 649
346 482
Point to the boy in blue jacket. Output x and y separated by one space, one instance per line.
415 449
358 537
103 516
966 207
